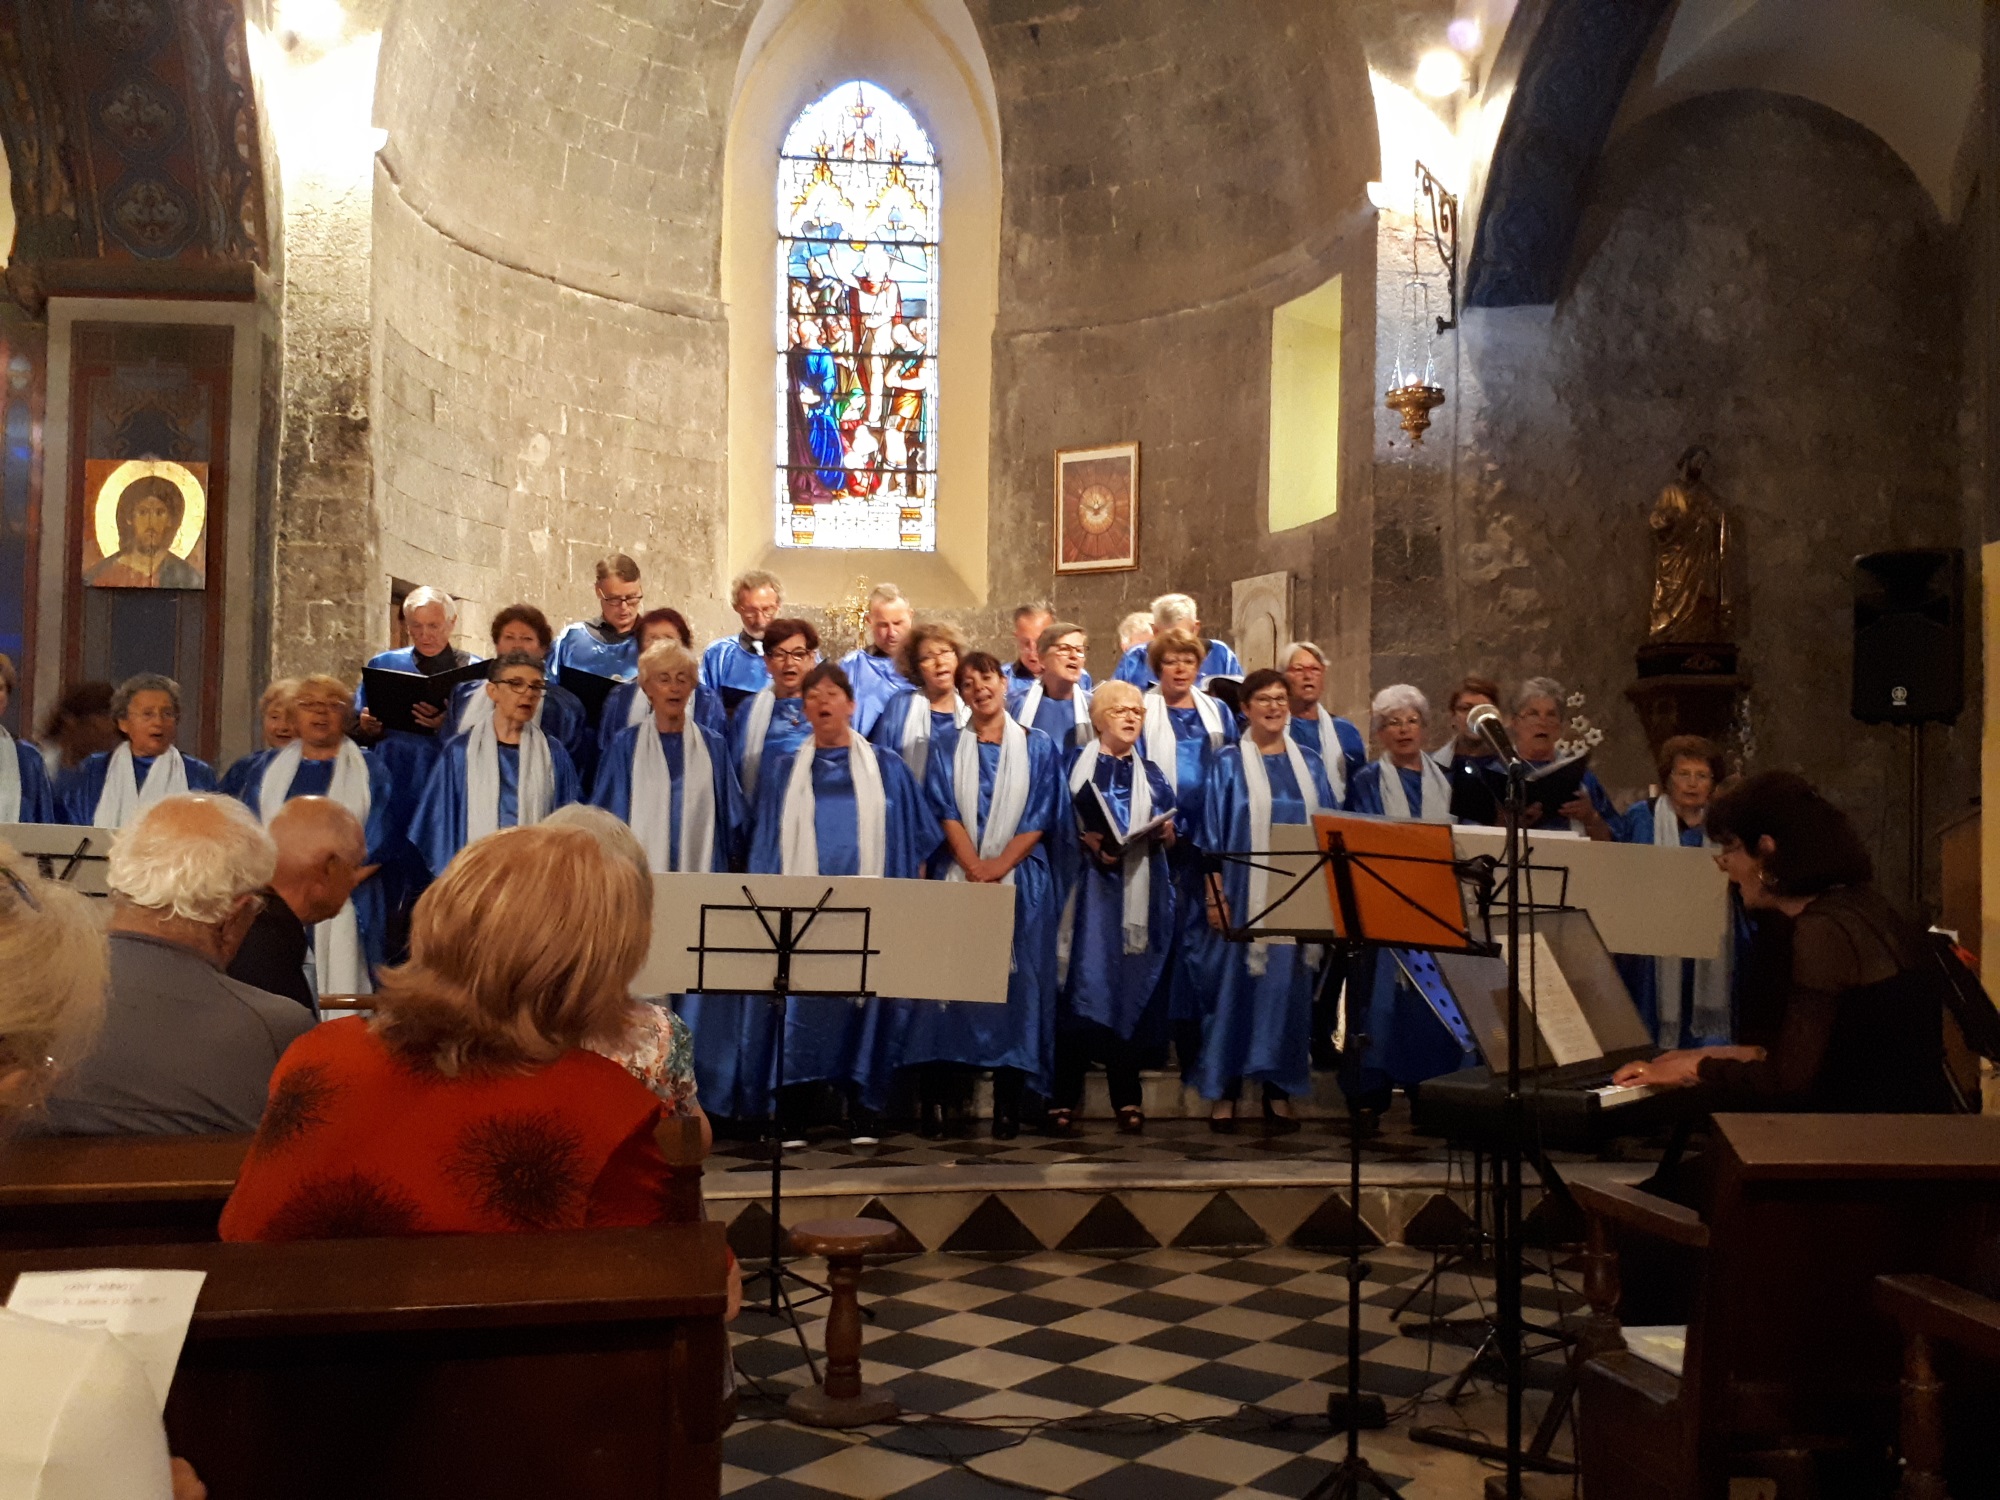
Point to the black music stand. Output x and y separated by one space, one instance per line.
1418 925
75 856
784 929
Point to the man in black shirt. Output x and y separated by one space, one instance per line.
322 854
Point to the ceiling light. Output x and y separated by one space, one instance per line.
1440 72
320 22
1465 34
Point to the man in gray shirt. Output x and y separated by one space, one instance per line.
185 1050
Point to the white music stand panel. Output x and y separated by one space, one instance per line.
51 845
1643 898
936 939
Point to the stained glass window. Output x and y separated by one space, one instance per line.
857 326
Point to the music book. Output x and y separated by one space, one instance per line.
591 688
392 695
1094 814
1479 787
146 1311
731 696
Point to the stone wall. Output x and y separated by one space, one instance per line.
1755 274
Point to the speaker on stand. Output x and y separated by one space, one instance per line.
1909 658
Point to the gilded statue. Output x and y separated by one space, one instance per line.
1691 603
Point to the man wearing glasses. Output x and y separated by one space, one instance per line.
609 644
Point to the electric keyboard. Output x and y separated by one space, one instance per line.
1577 1108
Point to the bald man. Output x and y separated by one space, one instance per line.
322 857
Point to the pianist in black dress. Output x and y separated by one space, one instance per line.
1840 1012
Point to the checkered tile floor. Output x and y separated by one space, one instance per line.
1169 1375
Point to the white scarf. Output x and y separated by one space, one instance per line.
1138 871
653 800
1010 793
1436 795
915 745
1257 783
1160 744
799 839
122 799
755 727
340 967
640 708
1331 752
1711 975
1031 704
535 784
10 780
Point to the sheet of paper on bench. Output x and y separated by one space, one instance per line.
1566 1035
938 940
1667 902
146 1311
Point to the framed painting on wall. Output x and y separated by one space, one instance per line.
1097 509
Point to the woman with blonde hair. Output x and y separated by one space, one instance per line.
276 728
473 1101
929 711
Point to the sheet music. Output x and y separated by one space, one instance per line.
146 1311
1566 1035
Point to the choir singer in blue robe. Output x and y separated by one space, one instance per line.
1117 930
625 705
1406 1043
505 774
1058 701
323 762
997 789
1333 739
767 726
733 666
875 668
1185 730
25 793
560 713
1171 612
605 645
833 806
1259 1024
915 717
113 787
1535 722
1686 1002
647 773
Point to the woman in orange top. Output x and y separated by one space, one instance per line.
471 1102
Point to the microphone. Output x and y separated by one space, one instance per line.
1485 721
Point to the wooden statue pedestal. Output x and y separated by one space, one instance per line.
843 1401
1687 689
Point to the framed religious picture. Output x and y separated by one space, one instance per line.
1097 509
148 524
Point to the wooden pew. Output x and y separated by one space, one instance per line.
1937 1319
582 1364
115 1190
1790 1371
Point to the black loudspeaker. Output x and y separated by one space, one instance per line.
1909 636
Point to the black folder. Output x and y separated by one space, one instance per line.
591 688
1094 814
392 695
1479 787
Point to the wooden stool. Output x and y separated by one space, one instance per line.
843 1401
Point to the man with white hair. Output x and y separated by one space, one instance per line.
1171 611
733 666
872 667
185 1050
428 617
322 857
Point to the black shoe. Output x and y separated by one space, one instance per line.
1062 1124
1223 1124
931 1128
1005 1126
1277 1124
1131 1120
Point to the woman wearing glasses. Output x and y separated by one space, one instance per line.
769 725
1535 721
505 773
927 710
1259 1023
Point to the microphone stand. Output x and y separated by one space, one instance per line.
1507 1208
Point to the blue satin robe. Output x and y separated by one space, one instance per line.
705 705
613 789
727 663
825 1039
76 792
1022 1033
581 646
410 759
1364 789
787 730
38 797
439 830
876 680
1257 1027
563 718
1135 669
1640 971
314 778
1055 717
1192 970
1353 748
889 725
1107 986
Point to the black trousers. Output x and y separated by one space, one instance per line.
1078 1047
941 1084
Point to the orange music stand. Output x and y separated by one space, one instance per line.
1394 884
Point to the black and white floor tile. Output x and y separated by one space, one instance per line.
1173 1374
